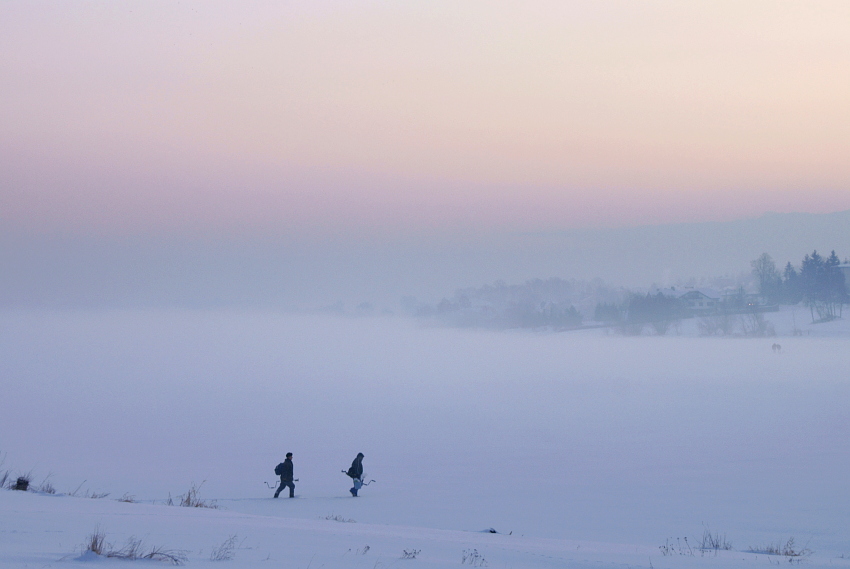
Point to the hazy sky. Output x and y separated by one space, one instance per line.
311 119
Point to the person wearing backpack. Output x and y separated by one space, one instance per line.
356 473
284 470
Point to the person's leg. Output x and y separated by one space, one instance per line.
291 489
280 488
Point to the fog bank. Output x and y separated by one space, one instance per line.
287 274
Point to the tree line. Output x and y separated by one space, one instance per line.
819 284
537 303
555 303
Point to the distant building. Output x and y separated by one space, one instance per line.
700 300
696 300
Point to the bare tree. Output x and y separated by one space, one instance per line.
753 323
770 281
721 323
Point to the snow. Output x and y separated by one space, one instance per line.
581 449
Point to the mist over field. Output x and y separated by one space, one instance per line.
141 368
578 435
281 273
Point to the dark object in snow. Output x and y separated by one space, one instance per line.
274 486
355 472
21 484
285 468
356 468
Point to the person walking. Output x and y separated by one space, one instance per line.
286 480
356 473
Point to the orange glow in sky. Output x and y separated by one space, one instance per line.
326 117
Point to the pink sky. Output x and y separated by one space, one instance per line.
317 118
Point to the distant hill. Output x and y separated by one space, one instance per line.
269 272
640 256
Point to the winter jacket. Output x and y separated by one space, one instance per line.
286 474
356 470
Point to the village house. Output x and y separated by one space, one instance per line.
700 300
695 300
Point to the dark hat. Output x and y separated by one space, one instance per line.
288 455
360 455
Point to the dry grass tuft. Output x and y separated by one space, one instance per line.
225 551
788 549
132 550
192 499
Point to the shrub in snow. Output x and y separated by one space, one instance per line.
192 499
134 550
4 474
225 551
472 557
338 518
789 549
96 542
722 323
46 486
88 493
714 541
755 324
676 548
96 545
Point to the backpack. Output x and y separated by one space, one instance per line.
353 473
278 470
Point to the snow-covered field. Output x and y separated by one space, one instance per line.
581 449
